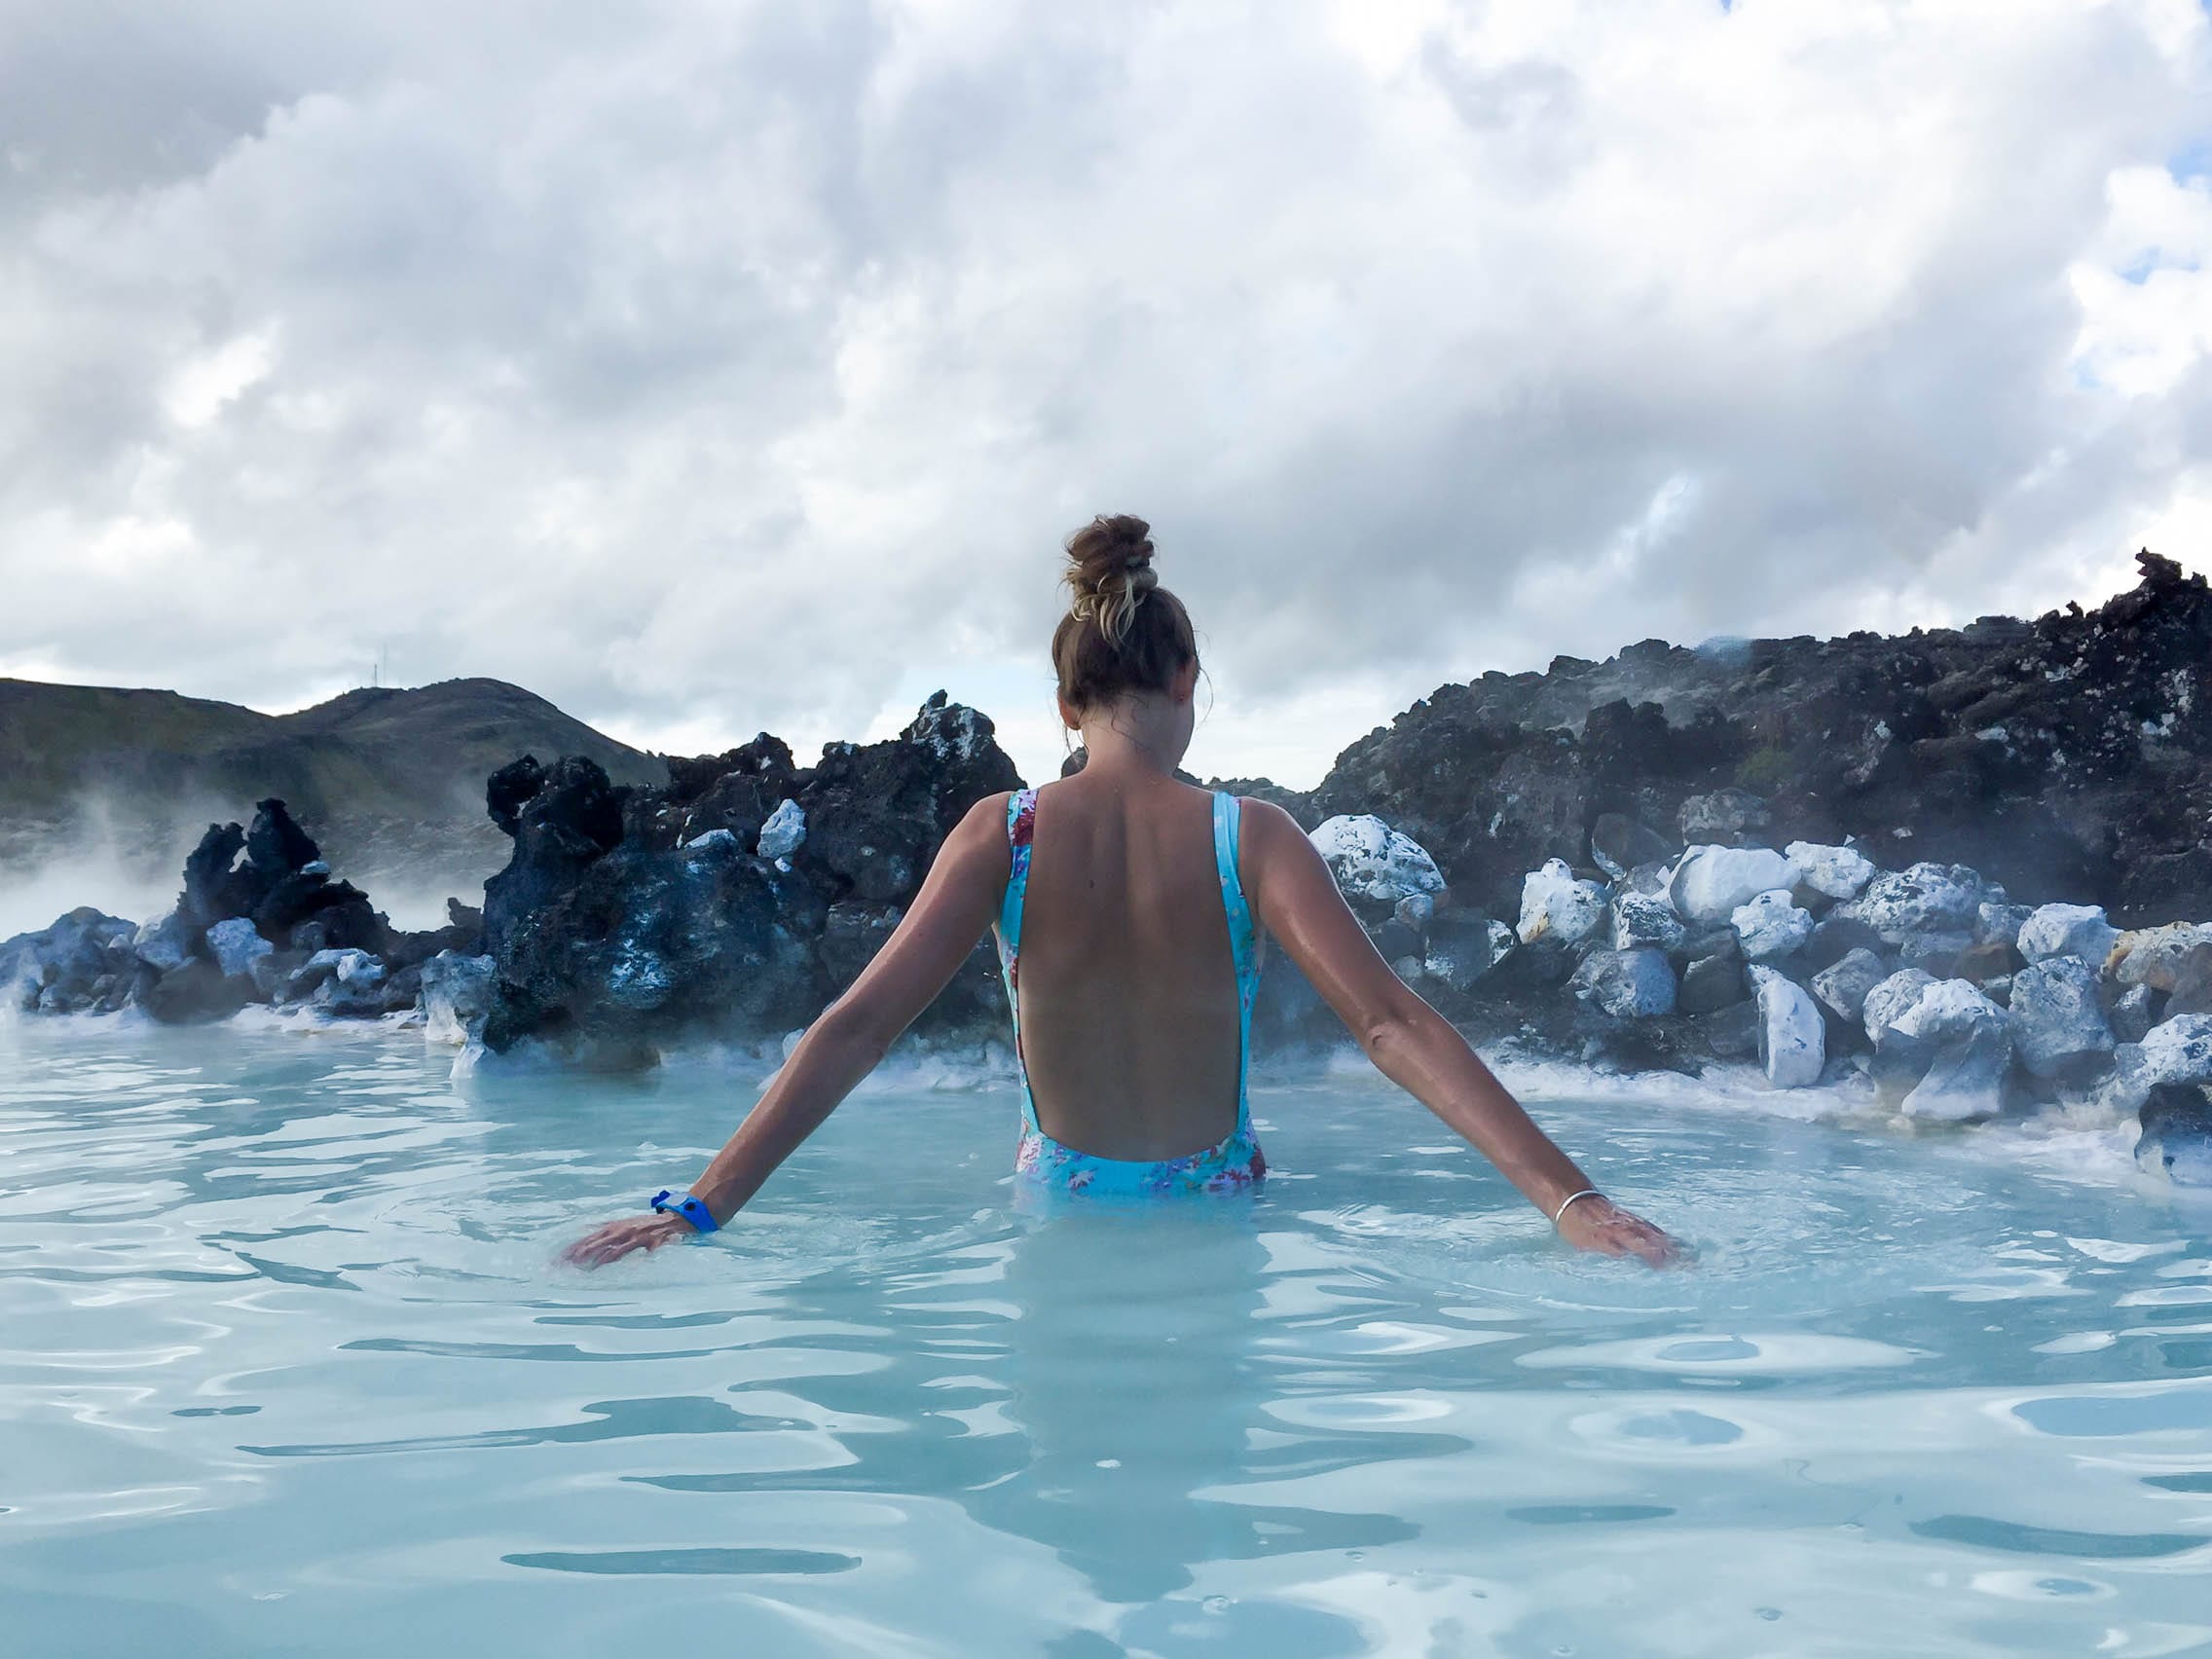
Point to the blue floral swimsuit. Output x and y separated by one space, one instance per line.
1235 1162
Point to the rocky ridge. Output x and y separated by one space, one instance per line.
1609 888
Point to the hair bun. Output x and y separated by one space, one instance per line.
1110 570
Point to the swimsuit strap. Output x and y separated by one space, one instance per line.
1244 942
1020 836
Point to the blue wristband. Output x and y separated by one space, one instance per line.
692 1209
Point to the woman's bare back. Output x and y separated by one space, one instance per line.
1129 1020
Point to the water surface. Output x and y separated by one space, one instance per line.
287 1367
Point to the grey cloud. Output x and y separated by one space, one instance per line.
712 369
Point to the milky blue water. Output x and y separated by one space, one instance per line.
287 1367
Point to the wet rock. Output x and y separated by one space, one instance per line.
166 942
2133 1012
1554 902
1945 1055
197 992
1926 898
2176 1139
1937 953
1834 872
1710 984
1835 937
2178 1050
1792 1041
2067 930
2153 956
1646 919
1842 987
1771 925
2060 1031
1711 882
2192 984
1627 984
82 963
1999 923
236 947
1460 950
1732 1033
1619 844
456 996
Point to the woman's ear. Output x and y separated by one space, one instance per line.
1185 684
1068 717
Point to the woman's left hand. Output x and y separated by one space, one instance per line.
618 1238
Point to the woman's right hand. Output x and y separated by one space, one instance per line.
1602 1226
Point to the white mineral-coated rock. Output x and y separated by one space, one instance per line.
1998 923
713 841
1946 1009
1771 925
1646 919
2058 1024
457 995
2067 930
1966 1080
1370 860
1839 873
236 947
1460 950
1927 897
784 833
1553 902
2152 956
1890 998
165 943
1710 883
1628 984
1792 1040
2177 1051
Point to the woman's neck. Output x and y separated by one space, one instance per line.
1136 735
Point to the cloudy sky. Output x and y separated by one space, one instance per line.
710 367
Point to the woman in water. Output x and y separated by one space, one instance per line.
1132 1002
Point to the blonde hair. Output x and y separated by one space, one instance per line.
1123 632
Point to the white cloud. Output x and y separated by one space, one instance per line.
712 368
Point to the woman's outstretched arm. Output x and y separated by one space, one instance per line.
1413 1045
955 906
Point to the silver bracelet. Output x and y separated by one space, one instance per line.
1585 1193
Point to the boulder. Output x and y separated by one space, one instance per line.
1554 902
1725 816
1890 997
1771 925
2067 930
1927 897
84 963
1834 872
236 946
166 942
1710 984
1711 882
1373 861
784 831
2059 1028
2153 956
1732 1033
2177 1051
1842 987
1619 844
1461 948
2192 991
457 994
196 993
1835 937
1628 984
2176 1139
1646 919
1938 953
1792 1042
1999 923
1415 912
1941 1054
2133 1012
